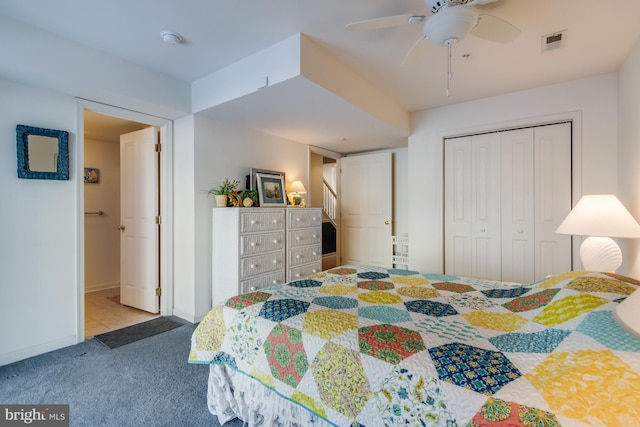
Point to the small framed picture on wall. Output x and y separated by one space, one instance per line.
271 191
91 176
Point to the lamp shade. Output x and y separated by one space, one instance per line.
297 187
600 215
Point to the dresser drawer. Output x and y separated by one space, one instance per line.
257 283
253 244
304 255
253 222
305 236
304 271
302 218
259 264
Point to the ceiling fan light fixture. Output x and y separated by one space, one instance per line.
453 22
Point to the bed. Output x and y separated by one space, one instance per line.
368 346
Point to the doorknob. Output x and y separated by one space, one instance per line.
121 228
387 222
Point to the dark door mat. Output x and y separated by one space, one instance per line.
137 332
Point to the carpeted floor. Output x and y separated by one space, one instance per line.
145 383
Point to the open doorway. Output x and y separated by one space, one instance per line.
323 179
102 225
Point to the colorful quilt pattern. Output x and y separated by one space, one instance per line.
364 346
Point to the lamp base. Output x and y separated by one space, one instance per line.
627 313
600 254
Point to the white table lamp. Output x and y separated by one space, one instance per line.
600 216
296 190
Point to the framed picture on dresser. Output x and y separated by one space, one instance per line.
271 190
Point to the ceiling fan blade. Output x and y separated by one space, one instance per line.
495 29
418 49
386 22
480 2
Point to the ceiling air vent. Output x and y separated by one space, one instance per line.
554 41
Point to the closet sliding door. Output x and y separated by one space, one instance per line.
505 194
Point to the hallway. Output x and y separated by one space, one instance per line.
104 315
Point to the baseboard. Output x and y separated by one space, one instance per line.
100 287
189 317
36 350
329 261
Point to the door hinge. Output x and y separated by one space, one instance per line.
158 292
158 219
158 148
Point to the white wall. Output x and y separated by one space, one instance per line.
629 153
41 59
102 238
595 99
38 249
219 151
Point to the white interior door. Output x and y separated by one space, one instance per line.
552 198
366 196
138 211
518 228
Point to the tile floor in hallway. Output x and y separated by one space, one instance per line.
103 315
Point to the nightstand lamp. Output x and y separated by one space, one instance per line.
296 190
600 216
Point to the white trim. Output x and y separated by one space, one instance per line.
166 200
36 350
101 287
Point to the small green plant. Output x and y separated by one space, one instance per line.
226 188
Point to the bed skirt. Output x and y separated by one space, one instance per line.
231 394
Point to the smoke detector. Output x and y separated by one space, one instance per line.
170 37
554 41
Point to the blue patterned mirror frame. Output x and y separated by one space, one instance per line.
22 141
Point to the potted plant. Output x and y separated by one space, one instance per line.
223 191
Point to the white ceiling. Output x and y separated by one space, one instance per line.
220 32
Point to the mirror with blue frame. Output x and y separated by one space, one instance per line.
42 153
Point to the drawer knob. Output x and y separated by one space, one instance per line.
298 219
315 253
315 236
315 219
275 221
253 288
297 256
253 221
314 270
275 241
252 266
297 274
253 243
298 238
275 282
275 261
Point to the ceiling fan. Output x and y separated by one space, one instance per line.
451 21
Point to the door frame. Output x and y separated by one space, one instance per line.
165 127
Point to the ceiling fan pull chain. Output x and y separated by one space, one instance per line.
449 73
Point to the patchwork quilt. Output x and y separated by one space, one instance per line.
366 346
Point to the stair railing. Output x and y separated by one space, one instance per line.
330 201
